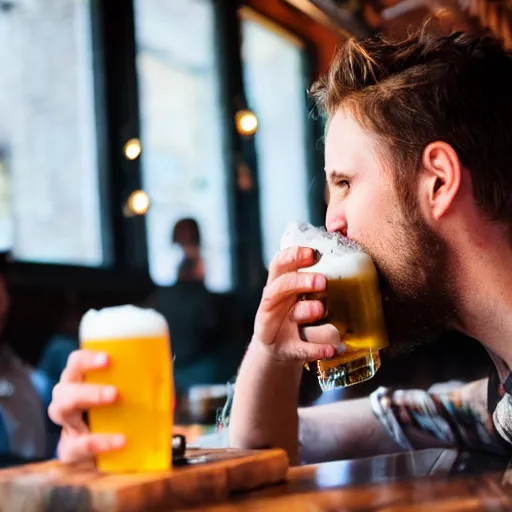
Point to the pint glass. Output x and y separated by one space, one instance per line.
352 301
137 343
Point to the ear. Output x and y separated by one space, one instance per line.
440 180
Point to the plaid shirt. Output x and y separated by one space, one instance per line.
476 416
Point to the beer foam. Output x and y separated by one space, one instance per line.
349 265
340 257
121 322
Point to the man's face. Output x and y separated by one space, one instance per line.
363 205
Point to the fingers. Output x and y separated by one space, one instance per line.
326 334
78 448
278 298
290 260
81 361
290 285
308 311
71 398
301 352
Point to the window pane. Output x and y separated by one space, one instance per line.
184 171
5 205
47 134
275 89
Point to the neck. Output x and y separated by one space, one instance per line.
484 287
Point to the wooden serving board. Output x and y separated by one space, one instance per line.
207 476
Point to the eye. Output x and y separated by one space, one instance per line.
345 184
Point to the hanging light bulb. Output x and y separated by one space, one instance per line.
138 203
132 149
246 122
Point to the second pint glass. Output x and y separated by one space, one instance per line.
137 343
353 306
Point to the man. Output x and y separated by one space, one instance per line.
417 157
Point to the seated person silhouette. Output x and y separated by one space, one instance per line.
199 343
25 394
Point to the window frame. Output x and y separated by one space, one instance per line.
117 108
116 115
312 129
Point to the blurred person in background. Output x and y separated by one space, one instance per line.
203 338
25 394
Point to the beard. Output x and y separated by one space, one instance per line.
418 298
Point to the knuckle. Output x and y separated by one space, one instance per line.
56 392
310 309
266 292
87 445
265 301
94 394
318 281
74 359
277 261
302 280
295 354
316 307
54 413
313 280
51 412
271 290
63 453
299 311
65 400
297 253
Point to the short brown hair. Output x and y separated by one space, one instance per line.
456 88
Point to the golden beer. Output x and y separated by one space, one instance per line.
137 342
353 305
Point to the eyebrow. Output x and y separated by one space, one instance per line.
333 175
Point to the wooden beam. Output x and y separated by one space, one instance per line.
331 15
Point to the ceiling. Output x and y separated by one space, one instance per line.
397 17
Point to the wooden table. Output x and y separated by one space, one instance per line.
429 480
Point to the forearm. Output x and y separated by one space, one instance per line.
264 412
342 430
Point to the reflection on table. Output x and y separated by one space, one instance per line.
434 480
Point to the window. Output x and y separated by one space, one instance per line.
6 235
276 92
183 168
49 186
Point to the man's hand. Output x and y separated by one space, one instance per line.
280 318
71 398
264 409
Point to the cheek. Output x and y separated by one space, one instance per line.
365 216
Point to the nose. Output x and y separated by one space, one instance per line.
335 220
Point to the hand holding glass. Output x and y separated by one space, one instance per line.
137 343
352 301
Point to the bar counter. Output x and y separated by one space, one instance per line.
427 480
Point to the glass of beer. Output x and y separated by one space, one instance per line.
352 301
137 343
